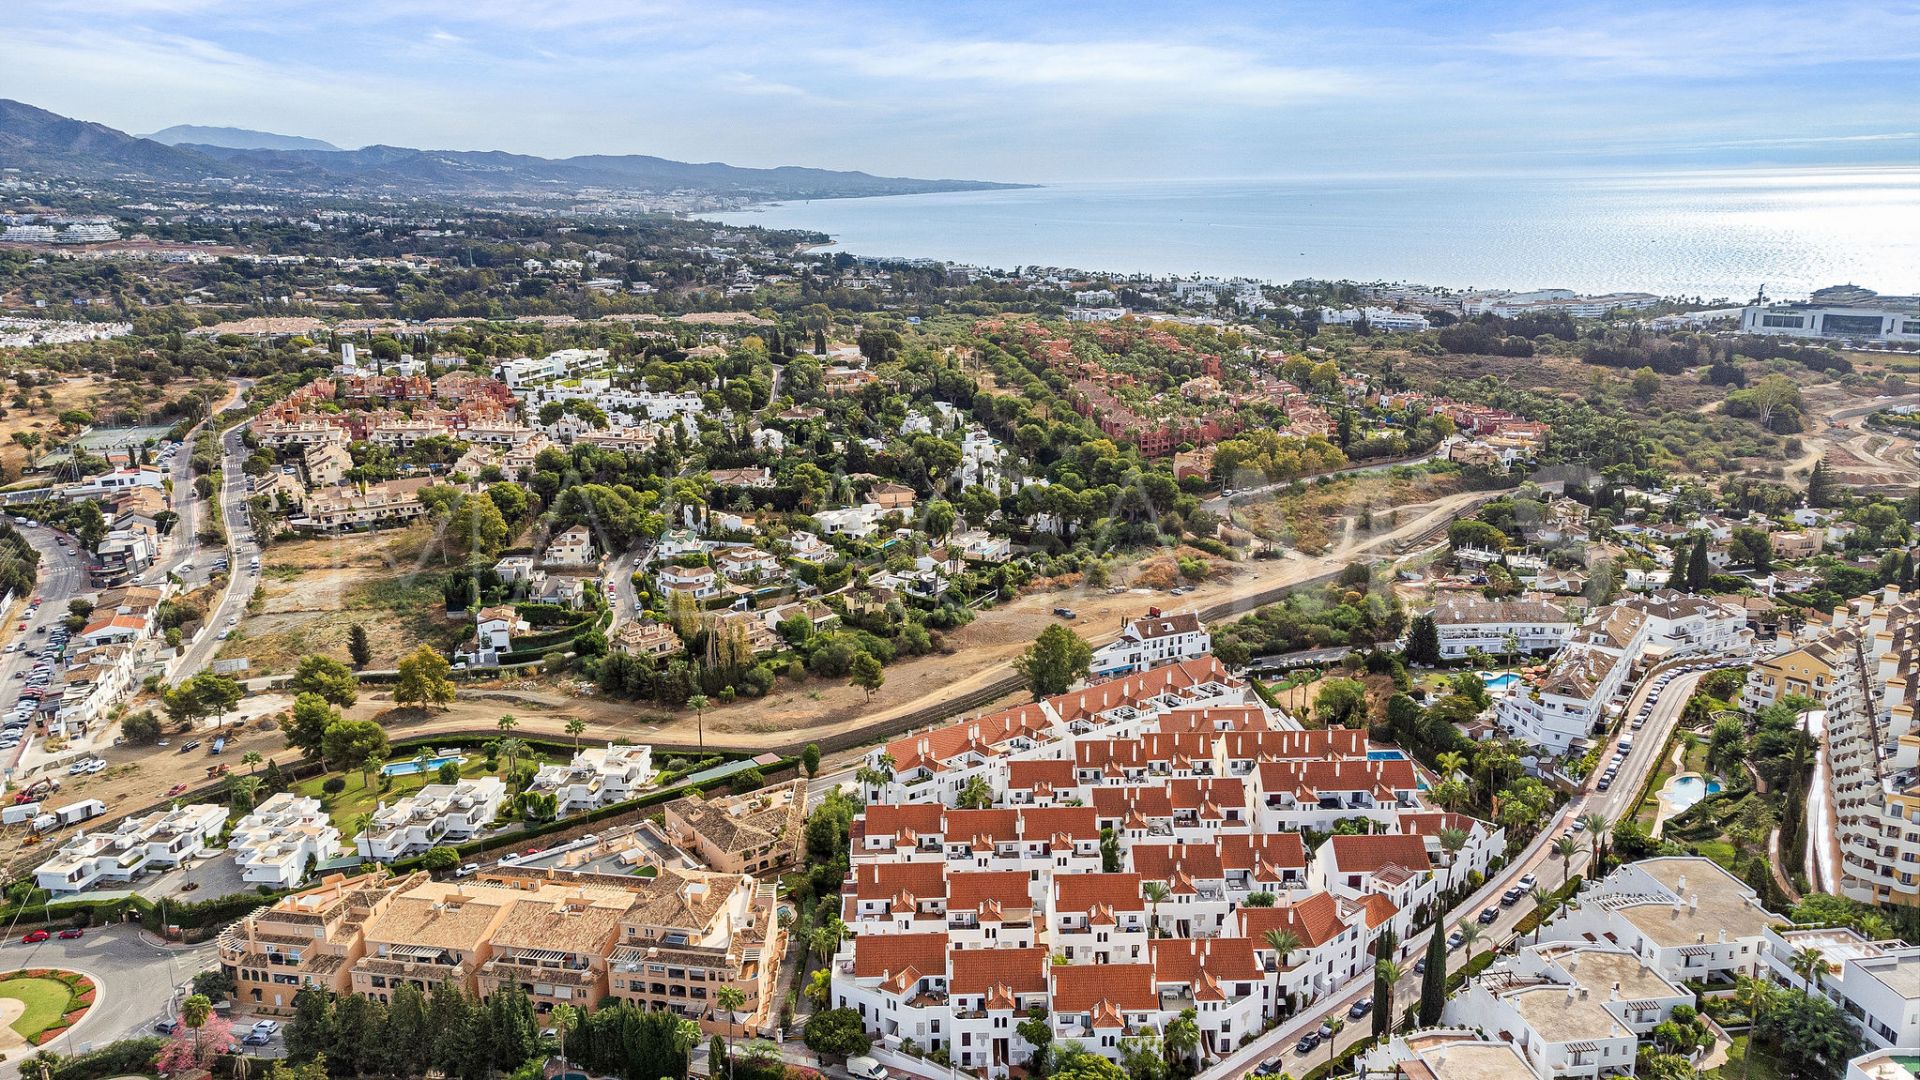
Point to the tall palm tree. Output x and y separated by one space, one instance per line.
1566 847
1155 892
1540 896
564 1018
576 727
194 1013
1181 1037
1449 762
698 703
730 999
1809 963
1758 997
1387 972
1469 937
1451 841
252 759
1282 942
1334 1025
1598 826
513 748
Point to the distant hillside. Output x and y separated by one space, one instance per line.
37 141
235 138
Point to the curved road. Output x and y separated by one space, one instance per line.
1536 858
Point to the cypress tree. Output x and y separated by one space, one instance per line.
1433 982
1698 569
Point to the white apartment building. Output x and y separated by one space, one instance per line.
1150 641
437 814
1683 915
1570 1009
597 776
1495 627
158 841
282 839
1866 317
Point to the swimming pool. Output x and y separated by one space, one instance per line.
1502 681
410 766
1386 755
1683 791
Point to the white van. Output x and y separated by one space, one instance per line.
866 1068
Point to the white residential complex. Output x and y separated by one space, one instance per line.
1498 627
1152 640
158 841
596 777
282 839
436 814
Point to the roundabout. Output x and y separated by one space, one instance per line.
39 1005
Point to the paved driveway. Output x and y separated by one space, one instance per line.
138 981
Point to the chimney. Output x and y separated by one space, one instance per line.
1840 617
1680 886
1615 994
1723 935
1693 903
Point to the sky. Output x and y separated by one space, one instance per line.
1017 91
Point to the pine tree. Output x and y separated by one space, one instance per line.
1820 486
1423 642
358 646
1433 981
1698 569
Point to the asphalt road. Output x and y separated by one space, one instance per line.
62 576
240 581
1537 859
139 981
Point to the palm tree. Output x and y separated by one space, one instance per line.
507 723
1155 892
1334 1024
879 774
698 703
1597 828
1386 973
1566 847
252 759
1758 997
194 1013
513 748
730 999
1451 841
1449 762
243 790
576 727
1809 963
1282 942
1181 1037
1540 897
1469 937
564 1017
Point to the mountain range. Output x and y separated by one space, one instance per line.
235 138
39 142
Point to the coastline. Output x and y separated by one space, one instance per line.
1715 237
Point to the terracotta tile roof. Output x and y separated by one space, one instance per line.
1373 854
1378 908
933 749
886 881
887 956
1197 961
1430 824
1103 988
908 819
1084 892
1077 822
1137 688
985 971
1274 851
1307 780
1276 745
982 826
1209 796
1048 775
969 890
1186 622
1215 718
1130 804
1315 920
1180 866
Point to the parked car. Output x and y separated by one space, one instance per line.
1307 1042
1488 914
1420 966
35 937
1360 1008
71 933
167 1026
1455 940
1528 882
1512 896
468 870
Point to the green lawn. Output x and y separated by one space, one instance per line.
1764 1066
358 799
45 999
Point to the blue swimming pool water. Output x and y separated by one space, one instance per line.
409 767
1500 681
1386 755
1687 790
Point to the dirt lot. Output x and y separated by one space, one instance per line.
100 397
314 591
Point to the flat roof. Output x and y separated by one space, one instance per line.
1475 1061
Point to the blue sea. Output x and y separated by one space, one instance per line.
1710 234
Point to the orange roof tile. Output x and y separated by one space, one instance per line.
887 955
1370 854
1085 988
1084 892
1315 920
1030 775
884 881
981 971
967 890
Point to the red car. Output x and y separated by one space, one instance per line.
70 933
35 938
